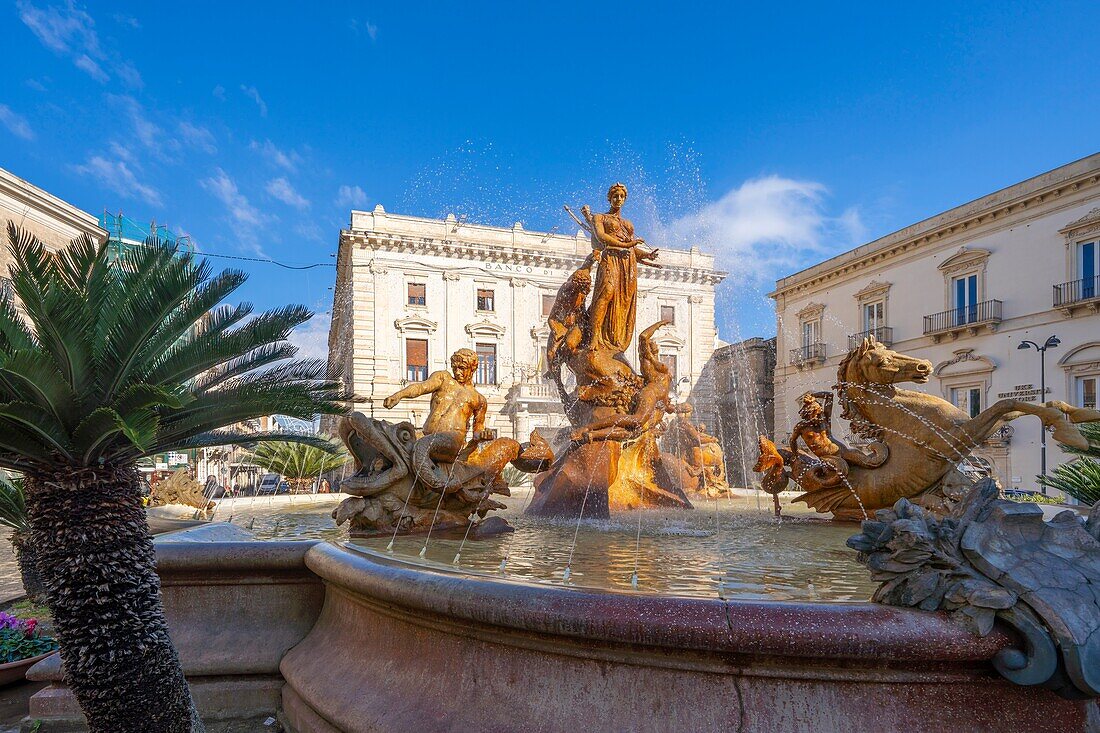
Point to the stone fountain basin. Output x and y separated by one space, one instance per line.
402 647
349 640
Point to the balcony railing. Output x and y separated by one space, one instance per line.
1076 291
971 317
808 354
883 334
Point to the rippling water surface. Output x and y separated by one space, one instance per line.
738 544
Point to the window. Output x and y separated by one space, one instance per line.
811 331
1086 391
967 399
416 360
485 300
1088 267
543 365
418 294
874 316
669 360
668 313
965 294
547 304
486 364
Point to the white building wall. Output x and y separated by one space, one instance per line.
380 253
1020 242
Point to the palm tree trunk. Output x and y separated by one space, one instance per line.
102 588
26 556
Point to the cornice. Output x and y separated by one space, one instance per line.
810 312
873 290
36 199
406 245
964 259
415 323
485 328
1014 202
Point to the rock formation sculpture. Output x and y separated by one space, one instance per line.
408 481
915 439
613 460
995 559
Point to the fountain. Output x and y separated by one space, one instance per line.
916 439
613 460
592 617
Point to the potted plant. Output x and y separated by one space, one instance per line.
22 645
13 514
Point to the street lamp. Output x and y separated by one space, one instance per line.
1050 343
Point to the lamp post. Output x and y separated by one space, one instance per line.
1050 343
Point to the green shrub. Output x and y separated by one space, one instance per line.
1079 479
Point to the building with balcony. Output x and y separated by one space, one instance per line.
963 289
410 291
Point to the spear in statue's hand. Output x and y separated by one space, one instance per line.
583 224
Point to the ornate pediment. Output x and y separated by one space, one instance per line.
873 291
415 323
1087 224
965 361
811 312
1083 358
669 341
540 333
966 258
485 329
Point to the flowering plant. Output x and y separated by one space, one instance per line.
21 639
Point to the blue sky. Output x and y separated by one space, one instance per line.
773 136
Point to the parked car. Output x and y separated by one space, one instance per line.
269 484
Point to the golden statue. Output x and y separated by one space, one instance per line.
407 481
695 455
918 438
613 460
614 302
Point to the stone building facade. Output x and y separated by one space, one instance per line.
744 378
963 289
53 221
410 291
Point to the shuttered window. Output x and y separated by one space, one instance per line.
416 360
418 294
485 300
486 364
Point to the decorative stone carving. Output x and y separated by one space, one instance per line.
996 559
613 460
1087 224
919 438
408 482
415 323
811 312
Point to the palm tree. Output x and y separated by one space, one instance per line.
300 463
13 514
103 362
1080 478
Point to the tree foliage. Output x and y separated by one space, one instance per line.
298 462
1079 478
110 360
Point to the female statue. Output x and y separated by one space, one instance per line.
614 302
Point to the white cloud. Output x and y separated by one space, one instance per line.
311 337
70 31
364 26
351 196
219 92
94 70
16 123
198 136
36 85
225 190
286 160
254 94
148 133
123 19
117 176
281 189
765 227
244 218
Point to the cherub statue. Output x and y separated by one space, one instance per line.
651 404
